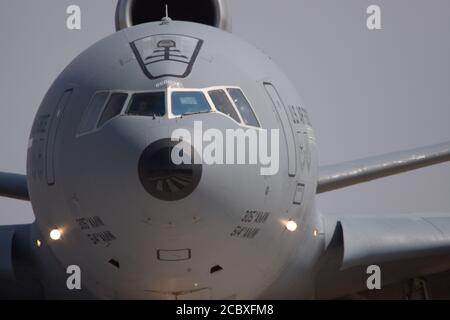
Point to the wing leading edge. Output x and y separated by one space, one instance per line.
349 173
14 186
403 246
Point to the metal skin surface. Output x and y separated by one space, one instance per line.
404 246
14 186
96 175
357 171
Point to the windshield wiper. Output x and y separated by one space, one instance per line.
193 112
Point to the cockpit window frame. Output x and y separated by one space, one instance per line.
205 91
244 123
99 125
232 105
171 115
87 110
127 106
96 126
168 105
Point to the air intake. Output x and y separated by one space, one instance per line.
214 13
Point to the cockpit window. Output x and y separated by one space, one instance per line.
113 107
223 104
151 104
244 107
170 103
92 113
189 102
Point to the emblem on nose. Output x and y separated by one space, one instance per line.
167 55
163 179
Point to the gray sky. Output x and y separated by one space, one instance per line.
367 92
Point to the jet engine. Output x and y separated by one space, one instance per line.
214 13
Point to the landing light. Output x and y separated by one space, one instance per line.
38 243
291 225
55 234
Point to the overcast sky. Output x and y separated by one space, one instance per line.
367 92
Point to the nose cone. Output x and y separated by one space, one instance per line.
161 177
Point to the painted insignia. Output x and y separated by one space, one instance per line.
167 55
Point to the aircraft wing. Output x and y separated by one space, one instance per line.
14 186
403 246
349 173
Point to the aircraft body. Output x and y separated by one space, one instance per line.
108 198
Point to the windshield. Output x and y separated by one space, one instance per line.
244 107
223 104
113 107
148 104
189 102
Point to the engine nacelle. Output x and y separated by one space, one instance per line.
18 275
210 12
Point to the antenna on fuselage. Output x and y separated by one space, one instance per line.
166 18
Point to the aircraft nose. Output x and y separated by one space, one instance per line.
161 177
